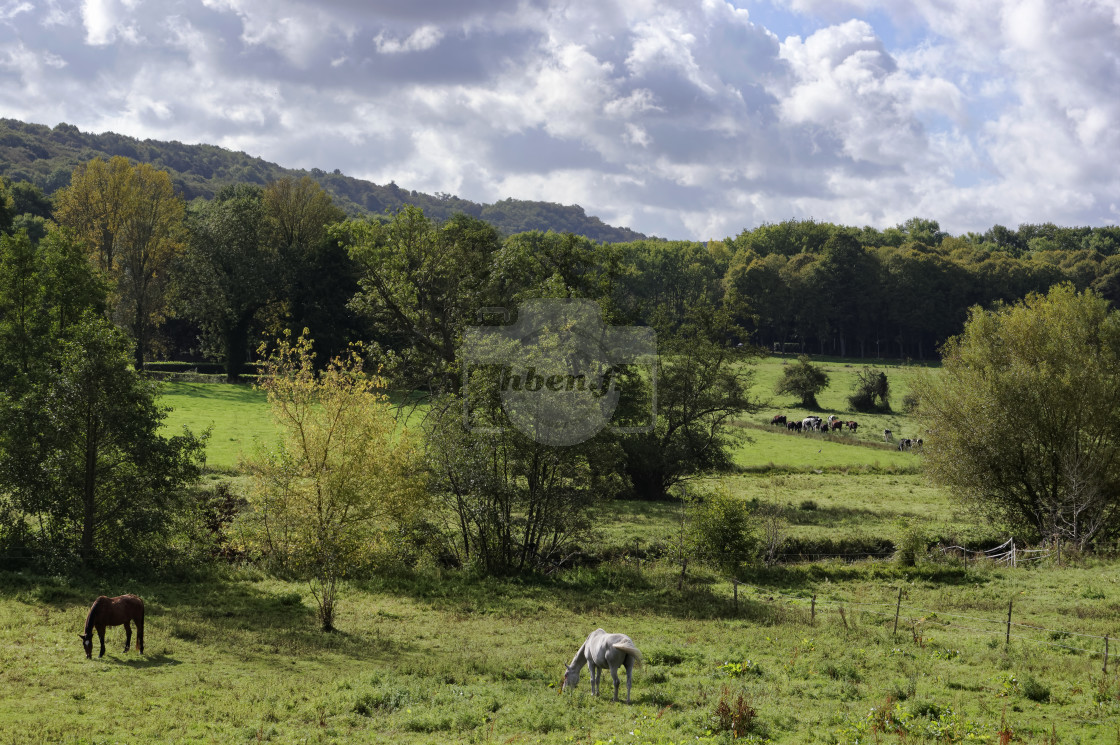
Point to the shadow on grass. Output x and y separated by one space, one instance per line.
227 393
155 660
238 614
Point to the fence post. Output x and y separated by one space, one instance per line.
1106 654
1007 639
897 608
813 611
735 584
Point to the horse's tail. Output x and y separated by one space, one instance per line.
630 650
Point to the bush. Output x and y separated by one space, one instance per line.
803 380
720 529
912 546
1034 690
871 391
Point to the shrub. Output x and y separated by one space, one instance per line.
1034 690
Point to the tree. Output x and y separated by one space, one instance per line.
1022 417
316 278
341 474
421 285
702 385
804 380
131 219
229 272
720 530
512 504
870 391
81 454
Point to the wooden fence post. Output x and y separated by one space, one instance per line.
735 584
897 608
1106 654
1007 639
813 611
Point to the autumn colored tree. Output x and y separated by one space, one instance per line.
132 220
341 474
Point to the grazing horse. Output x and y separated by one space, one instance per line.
114 612
603 650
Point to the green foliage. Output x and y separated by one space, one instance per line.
421 284
1048 364
702 385
512 504
871 391
911 545
47 157
804 380
340 476
228 273
720 530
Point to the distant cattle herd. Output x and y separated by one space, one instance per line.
833 423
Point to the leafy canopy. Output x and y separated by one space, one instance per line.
1022 418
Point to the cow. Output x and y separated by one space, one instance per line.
887 435
778 419
793 426
852 426
837 425
904 443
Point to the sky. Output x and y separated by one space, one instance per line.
692 119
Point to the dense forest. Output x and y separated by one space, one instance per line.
46 157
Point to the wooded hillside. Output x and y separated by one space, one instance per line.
46 157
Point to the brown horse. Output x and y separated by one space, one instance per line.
114 612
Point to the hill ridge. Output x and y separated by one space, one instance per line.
47 156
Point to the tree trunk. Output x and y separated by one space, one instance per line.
237 341
89 488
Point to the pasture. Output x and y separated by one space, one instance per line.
807 652
436 659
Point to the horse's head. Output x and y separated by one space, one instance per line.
571 678
87 644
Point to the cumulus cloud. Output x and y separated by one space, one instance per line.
680 119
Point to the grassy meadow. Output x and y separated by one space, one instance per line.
800 652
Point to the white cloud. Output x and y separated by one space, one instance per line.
685 119
420 40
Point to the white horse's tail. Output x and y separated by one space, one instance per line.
630 650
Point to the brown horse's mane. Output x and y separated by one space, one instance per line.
92 609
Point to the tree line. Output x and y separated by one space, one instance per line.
117 270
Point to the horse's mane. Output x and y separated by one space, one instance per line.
89 616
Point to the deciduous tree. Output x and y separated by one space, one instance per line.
1021 418
342 473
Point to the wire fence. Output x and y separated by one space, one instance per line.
999 626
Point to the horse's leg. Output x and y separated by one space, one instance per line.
140 634
629 675
594 673
614 677
101 638
127 635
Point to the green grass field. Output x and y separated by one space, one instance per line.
438 657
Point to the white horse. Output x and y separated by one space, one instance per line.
603 650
